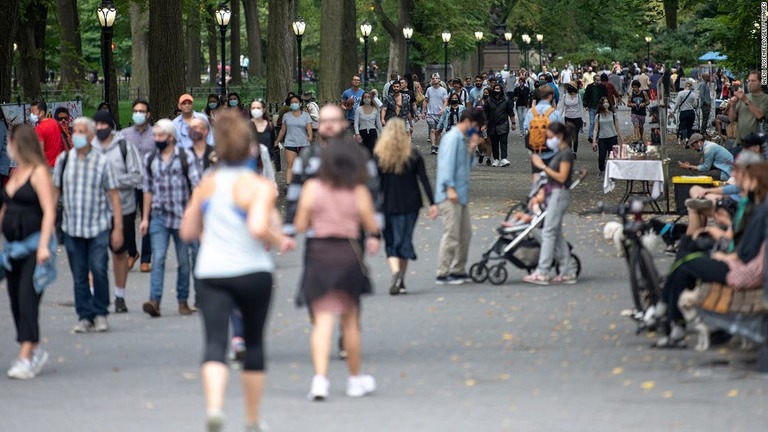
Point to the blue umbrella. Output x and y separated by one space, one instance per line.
713 56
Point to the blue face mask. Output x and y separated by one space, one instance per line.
139 118
233 103
213 105
79 141
472 131
295 107
33 118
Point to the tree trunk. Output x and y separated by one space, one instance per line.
139 50
234 45
330 82
193 44
213 60
351 48
71 72
166 55
397 59
670 13
28 71
280 49
251 11
40 26
7 36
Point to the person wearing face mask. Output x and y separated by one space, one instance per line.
126 167
748 110
183 120
715 157
86 182
140 136
685 104
367 123
450 117
263 132
522 97
572 113
313 109
559 172
500 114
170 174
47 130
297 132
593 94
62 117
211 106
234 103
607 133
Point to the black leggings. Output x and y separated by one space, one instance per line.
577 124
25 302
369 137
217 297
687 118
499 145
604 146
685 276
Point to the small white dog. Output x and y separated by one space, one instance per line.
614 232
687 304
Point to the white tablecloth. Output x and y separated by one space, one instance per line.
622 169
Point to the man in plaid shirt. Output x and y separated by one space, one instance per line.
170 173
87 185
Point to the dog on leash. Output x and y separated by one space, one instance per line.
687 304
613 232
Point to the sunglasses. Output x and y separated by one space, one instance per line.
63 119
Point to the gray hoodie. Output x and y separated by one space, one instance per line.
128 172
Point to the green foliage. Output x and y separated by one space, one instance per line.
733 32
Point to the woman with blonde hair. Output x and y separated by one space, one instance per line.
401 168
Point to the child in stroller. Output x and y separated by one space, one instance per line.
519 238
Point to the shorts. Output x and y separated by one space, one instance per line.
638 120
432 120
129 232
293 149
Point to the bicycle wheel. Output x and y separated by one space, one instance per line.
478 272
644 278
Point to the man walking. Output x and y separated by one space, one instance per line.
184 120
350 100
126 167
84 179
170 173
47 130
452 196
705 103
499 111
592 95
434 102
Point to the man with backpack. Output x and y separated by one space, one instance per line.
537 121
126 167
170 173
592 95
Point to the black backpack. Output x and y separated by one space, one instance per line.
184 165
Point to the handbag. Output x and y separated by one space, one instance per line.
749 275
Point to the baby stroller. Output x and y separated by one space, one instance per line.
519 244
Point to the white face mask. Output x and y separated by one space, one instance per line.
257 113
553 143
606 106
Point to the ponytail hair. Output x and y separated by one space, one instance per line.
567 130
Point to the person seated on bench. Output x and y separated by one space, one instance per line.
698 266
715 157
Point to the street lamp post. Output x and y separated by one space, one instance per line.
527 42
365 29
106 13
223 15
446 38
648 50
540 37
15 81
299 26
508 38
407 33
479 39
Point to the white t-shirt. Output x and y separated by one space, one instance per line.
565 76
436 98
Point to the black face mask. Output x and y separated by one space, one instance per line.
496 93
161 145
478 85
571 91
486 96
454 102
103 134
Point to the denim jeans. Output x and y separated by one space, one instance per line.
146 247
89 255
592 114
160 237
554 247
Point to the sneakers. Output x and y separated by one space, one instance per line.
100 324
480 158
488 161
214 421
504 162
152 308
39 358
120 306
320 388
132 260
462 276
699 204
84 326
145 267
537 278
184 308
433 150
449 280
21 369
495 163
564 279
237 345
361 385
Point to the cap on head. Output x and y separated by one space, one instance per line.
604 77
695 138
103 117
186 97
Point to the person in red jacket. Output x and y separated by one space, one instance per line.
47 130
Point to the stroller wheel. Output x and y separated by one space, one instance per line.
497 274
478 272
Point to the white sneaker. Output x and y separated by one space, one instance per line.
361 385
83 326
39 358
21 369
320 388
100 324
214 421
495 163
504 162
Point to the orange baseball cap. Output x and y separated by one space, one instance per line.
186 97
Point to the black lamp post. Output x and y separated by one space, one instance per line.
446 38
648 50
540 37
527 42
365 29
299 25
479 39
106 13
508 38
407 33
223 15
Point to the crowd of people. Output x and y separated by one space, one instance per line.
207 180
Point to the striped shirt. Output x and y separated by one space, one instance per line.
84 195
170 190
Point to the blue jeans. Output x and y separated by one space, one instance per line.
89 255
160 237
592 114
